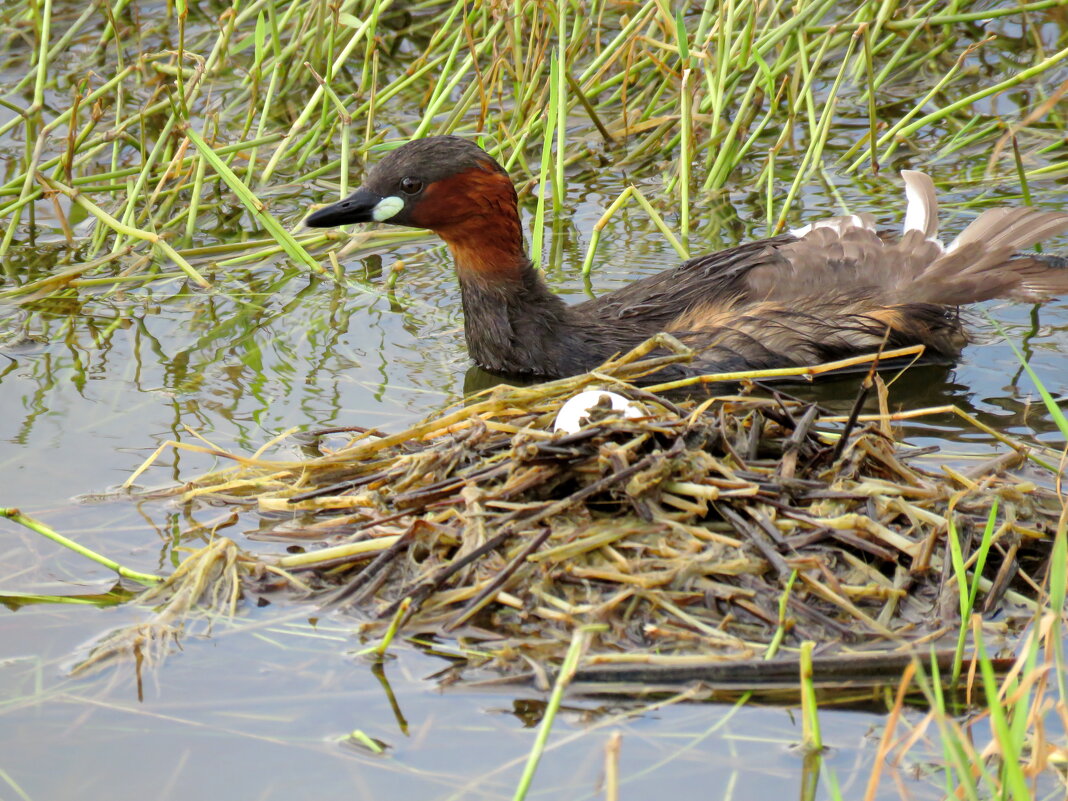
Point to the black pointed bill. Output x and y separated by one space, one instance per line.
361 206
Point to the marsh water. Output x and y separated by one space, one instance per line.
262 707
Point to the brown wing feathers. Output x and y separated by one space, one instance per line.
813 330
840 286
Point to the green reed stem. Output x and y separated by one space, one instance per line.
15 516
579 639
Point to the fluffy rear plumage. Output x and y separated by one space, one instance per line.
839 286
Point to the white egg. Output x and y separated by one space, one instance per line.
572 415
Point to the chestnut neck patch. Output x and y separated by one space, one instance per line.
476 213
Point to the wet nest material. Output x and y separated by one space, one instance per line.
716 529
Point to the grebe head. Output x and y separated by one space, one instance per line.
439 183
454 188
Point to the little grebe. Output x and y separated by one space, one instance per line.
822 292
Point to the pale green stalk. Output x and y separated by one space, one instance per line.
253 204
445 88
194 201
1008 745
579 638
595 232
811 738
903 128
560 90
147 236
32 118
662 226
15 516
686 158
313 102
968 591
815 149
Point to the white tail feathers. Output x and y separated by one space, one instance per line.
838 224
921 214
1001 230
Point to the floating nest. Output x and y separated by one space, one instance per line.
709 532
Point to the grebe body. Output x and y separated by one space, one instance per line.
829 290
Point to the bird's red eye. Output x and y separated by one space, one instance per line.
410 186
